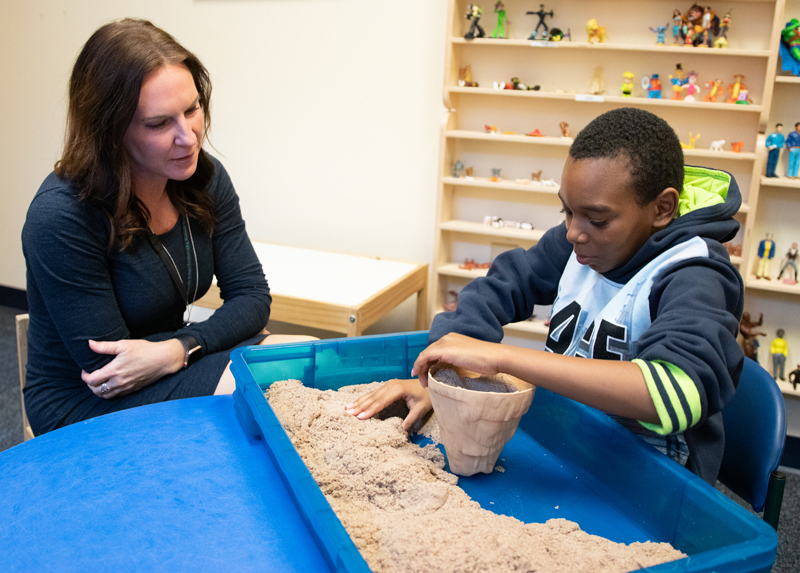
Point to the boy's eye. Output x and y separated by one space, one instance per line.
599 224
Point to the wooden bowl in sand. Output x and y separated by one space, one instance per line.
476 424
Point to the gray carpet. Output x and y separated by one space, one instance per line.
788 560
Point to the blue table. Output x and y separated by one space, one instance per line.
176 486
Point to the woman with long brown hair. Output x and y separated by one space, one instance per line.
127 232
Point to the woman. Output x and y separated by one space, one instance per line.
127 232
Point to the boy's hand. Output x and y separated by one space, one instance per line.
416 397
459 350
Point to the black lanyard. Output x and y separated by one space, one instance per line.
169 263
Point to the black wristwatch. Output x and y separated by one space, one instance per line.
192 349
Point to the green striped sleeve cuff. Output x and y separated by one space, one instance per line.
674 395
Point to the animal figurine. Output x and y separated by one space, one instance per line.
660 33
717 145
722 39
549 182
596 33
736 146
536 175
692 139
691 87
715 88
735 88
491 129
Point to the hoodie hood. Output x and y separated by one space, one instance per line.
707 204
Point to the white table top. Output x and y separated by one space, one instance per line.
326 277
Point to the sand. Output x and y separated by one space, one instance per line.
404 512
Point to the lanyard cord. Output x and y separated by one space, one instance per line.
172 268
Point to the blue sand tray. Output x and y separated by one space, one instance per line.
566 460
169 487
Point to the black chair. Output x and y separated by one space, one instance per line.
755 434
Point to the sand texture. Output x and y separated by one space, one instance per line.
404 512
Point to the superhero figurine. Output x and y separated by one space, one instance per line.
474 13
501 30
542 14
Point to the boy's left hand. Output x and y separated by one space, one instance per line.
459 350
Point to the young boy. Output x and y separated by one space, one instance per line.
639 281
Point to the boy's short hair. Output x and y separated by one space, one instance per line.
650 145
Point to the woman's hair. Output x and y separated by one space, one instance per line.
103 97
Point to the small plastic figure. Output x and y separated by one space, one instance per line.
677 23
542 14
794 377
468 173
779 350
722 39
660 33
790 36
495 175
715 88
458 167
736 146
747 328
564 127
733 250
535 133
743 98
700 24
766 252
790 260
793 145
536 175
627 84
717 145
465 77
471 265
474 13
490 129
678 81
598 85
692 139
735 88
653 86
775 142
501 30
691 86
596 33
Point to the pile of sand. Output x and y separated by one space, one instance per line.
404 512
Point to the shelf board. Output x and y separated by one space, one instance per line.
787 389
586 98
736 260
744 208
480 229
773 285
780 182
567 141
507 184
609 46
454 270
787 80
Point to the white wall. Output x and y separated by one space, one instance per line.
325 112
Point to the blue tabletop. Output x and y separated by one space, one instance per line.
176 486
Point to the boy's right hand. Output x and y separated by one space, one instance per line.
416 397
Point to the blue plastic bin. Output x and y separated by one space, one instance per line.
566 460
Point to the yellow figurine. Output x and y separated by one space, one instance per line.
595 32
627 84
692 139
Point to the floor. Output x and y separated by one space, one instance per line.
788 560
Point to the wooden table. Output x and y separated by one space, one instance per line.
333 291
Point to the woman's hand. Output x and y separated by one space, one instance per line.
416 397
137 363
459 350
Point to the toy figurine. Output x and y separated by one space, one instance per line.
653 86
747 329
743 98
716 145
598 85
714 90
794 377
557 34
733 250
501 30
474 13
627 84
542 14
451 305
774 143
495 175
465 77
536 176
458 167
779 350
564 127
677 23
470 265
790 36
535 133
766 252
596 33
793 145
468 173
722 39
736 87
692 139
736 146
790 260
490 129
660 33
678 81
691 86
699 26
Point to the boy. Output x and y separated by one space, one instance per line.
638 278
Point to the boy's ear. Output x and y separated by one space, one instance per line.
665 207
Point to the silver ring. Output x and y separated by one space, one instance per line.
104 389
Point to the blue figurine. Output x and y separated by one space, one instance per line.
542 14
653 86
793 145
660 34
775 142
